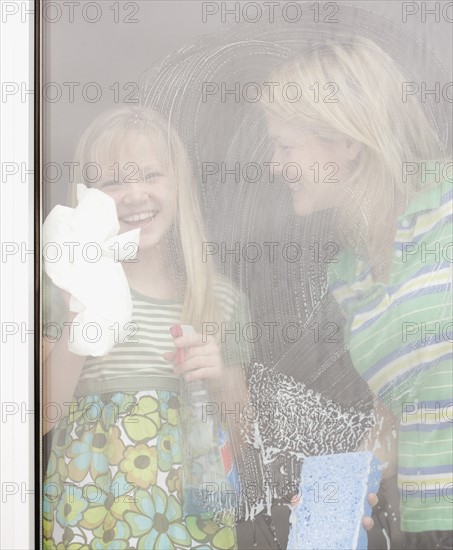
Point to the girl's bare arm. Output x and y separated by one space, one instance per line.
61 372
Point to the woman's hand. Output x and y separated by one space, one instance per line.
202 357
367 522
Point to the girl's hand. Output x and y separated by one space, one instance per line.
202 357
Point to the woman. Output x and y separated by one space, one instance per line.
375 159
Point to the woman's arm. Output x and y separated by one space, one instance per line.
382 440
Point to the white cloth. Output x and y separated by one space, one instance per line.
82 254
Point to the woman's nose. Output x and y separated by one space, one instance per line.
279 153
277 156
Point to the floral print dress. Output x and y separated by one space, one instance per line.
113 479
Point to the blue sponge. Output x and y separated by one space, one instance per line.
334 492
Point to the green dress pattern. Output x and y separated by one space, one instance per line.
114 482
114 478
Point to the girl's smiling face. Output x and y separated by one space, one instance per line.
143 187
317 165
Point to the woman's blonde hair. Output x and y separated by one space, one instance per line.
369 110
101 142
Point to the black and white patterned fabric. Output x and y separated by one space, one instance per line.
289 421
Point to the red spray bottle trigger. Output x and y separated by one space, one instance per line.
180 330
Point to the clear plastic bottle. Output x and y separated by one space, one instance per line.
205 484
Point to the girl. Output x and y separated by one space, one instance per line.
114 474
365 153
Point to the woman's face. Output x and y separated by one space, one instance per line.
314 167
143 188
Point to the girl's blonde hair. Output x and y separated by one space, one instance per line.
371 111
101 142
